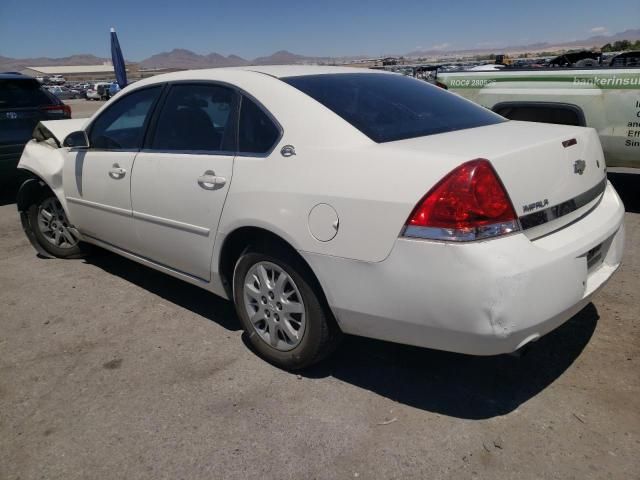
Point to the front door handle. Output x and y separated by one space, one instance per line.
210 181
117 172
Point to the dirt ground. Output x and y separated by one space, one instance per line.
81 108
111 370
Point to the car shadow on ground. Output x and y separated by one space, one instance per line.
457 385
176 291
451 384
628 187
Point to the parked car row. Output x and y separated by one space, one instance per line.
52 80
102 91
65 93
89 91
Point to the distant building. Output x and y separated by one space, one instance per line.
76 72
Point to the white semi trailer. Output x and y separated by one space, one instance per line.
606 99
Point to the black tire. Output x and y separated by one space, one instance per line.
75 251
321 335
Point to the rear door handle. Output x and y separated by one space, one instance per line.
117 172
210 181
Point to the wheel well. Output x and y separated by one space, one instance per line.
30 191
245 237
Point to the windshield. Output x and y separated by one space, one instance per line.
388 107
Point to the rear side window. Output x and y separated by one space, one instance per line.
196 118
17 93
388 107
122 125
256 133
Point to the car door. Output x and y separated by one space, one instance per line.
97 180
182 176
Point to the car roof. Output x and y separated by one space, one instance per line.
247 74
282 101
282 71
275 71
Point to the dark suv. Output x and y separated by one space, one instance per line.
23 103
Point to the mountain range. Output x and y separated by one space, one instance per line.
15 64
596 41
180 58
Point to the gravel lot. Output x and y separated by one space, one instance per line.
111 370
81 108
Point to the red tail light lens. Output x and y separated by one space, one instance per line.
470 203
65 110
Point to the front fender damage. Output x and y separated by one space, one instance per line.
45 161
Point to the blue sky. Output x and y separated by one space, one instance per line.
249 28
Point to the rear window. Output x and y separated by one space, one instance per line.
388 107
257 133
17 93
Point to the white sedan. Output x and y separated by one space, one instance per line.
327 200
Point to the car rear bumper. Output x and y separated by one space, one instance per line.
480 298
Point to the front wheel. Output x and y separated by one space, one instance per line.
282 311
51 228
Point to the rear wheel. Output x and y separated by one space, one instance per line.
52 229
282 311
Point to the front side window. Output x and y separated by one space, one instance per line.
122 125
196 118
388 107
256 132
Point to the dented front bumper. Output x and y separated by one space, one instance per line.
480 298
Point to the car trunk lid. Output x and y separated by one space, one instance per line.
552 173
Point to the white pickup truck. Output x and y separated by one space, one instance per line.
606 99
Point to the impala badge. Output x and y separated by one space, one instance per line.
11 115
535 205
579 166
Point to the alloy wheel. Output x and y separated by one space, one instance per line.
54 225
274 306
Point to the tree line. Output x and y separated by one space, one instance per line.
621 46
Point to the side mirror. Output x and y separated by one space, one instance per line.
77 139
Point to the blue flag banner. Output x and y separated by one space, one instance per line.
118 60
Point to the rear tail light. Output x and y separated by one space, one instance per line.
470 203
63 109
